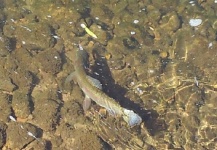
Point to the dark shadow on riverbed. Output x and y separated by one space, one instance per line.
101 71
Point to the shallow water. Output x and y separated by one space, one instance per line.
155 58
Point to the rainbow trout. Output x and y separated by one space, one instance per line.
91 87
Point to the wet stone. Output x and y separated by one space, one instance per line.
79 138
71 110
21 103
17 137
191 123
173 22
3 128
117 64
116 48
119 7
5 106
211 133
45 114
2 18
5 46
103 20
52 93
132 36
10 64
5 82
22 79
154 14
82 141
211 119
102 13
40 145
106 27
23 59
17 66
103 36
56 142
130 43
6 85
37 36
66 132
207 31
50 61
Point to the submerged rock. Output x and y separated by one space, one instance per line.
3 128
17 133
50 61
21 104
5 107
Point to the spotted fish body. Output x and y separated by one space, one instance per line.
92 90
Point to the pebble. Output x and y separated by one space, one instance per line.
195 22
163 54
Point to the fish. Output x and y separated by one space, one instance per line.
92 89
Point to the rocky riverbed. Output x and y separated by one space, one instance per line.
156 58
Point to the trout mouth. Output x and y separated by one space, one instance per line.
131 118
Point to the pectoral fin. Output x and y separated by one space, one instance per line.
86 103
70 77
